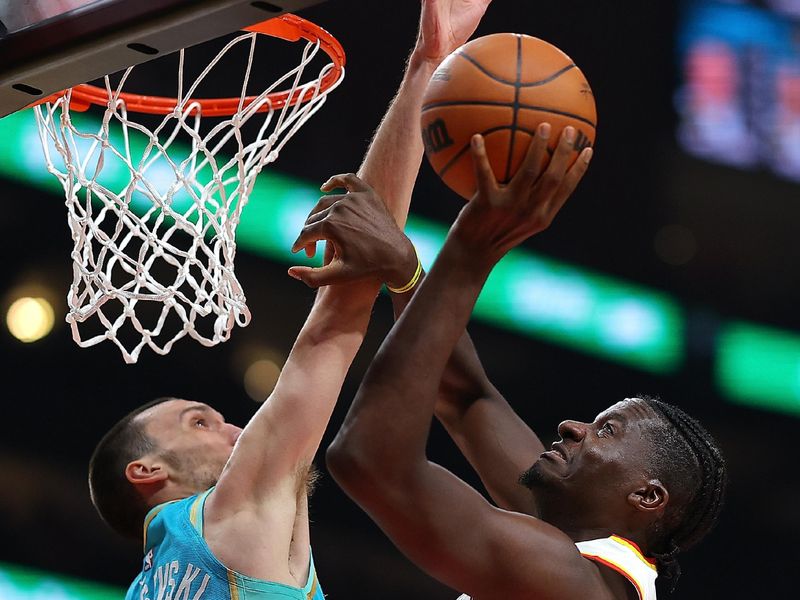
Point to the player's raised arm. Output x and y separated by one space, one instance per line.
282 438
476 416
393 165
498 444
379 455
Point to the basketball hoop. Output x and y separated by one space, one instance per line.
167 236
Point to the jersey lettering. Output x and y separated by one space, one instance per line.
164 583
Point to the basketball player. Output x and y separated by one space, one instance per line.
224 511
598 516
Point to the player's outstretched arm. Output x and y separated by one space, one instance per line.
492 437
278 444
392 165
496 442
379 454
315 369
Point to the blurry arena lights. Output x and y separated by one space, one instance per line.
279 205
759 366
260 378
30 318
22 583
258 367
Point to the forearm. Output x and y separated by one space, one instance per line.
284 434
492 437
387 425
464 381
335 328
392 162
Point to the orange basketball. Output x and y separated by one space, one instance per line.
502 86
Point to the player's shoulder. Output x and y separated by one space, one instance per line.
532 557
163 518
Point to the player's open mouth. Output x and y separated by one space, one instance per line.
558 449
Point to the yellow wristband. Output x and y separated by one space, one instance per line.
410 285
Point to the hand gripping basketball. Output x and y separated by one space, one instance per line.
364 242
501 86
500 217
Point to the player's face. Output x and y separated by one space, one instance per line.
595 462
194 439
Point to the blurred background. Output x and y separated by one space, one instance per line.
672 271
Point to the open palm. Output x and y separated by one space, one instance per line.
447 24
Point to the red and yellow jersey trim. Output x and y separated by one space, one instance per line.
647 561
624 557
619 569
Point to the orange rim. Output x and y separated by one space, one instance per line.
287 27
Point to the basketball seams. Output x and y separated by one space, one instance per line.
455 158
519 82
521 106
552 77
515 109
484 91
486 132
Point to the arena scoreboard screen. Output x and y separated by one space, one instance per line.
739 100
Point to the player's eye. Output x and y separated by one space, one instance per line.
607 429
200 423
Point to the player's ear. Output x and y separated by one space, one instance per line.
145 472
650 496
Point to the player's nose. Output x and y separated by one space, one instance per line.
233 432
572 430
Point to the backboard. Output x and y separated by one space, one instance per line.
50 45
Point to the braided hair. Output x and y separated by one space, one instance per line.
689 462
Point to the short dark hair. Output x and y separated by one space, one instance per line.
688 460
114 497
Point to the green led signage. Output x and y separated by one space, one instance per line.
759 366
18 583
526 293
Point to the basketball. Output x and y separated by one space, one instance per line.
502 86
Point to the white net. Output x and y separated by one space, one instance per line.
153 210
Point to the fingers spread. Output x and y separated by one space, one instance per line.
531 167
572 179
325 202
310 235
483 170
563 152
553 175
324 213
321 212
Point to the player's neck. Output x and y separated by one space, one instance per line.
590 526
168 493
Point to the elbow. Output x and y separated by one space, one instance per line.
349 466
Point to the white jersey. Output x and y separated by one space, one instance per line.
625 558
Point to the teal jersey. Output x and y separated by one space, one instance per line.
179 565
